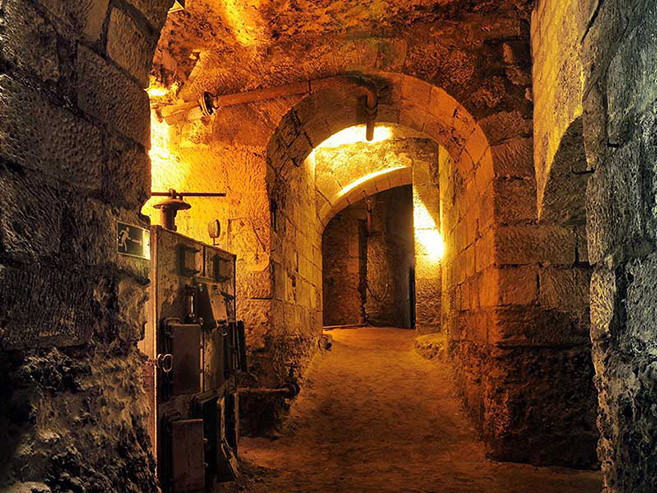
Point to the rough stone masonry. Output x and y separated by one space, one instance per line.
531 101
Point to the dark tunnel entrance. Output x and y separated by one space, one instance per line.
368 258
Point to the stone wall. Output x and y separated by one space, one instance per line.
429 244
366 273
614 42
495 252
296 320
557 78
509 332
390 259
197 157
80 67
74 129
618 50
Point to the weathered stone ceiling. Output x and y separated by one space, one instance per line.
233 45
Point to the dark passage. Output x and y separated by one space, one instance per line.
368 255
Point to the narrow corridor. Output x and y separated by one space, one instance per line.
374 416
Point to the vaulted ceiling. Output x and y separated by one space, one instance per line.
234 45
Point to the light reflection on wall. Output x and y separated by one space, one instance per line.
429 242
360 181
167 169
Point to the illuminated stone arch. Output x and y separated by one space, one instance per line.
365 186
411 103
403 100
495 250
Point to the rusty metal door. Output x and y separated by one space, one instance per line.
193 316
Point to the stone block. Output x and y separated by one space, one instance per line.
526 388
84 17
506 125
534 244
582 244
413 116
472 327
604 304
31 216
89 233
387 114
565 289
126 176
415 92
641 307
109 95
616 216
442 106
627 384
594 119
476 145
485 208
28 41
38 135
46 306
464 124
508 286
317 131
128 46
300 149
514 158
485 250
289 129
131 313
631 75
520 326
515 201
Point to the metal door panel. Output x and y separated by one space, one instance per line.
186 351
187 459
194 316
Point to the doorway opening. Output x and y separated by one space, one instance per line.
369 259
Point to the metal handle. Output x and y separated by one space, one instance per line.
165 362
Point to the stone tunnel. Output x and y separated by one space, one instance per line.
318 245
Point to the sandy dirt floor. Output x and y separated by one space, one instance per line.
374 416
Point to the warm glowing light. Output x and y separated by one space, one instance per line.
421 217
157 92
244 20
365 178
432 242
167 168
355 135
427 235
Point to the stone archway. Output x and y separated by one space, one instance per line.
493 307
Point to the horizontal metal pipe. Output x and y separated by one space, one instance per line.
207 103
304 87
262 94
